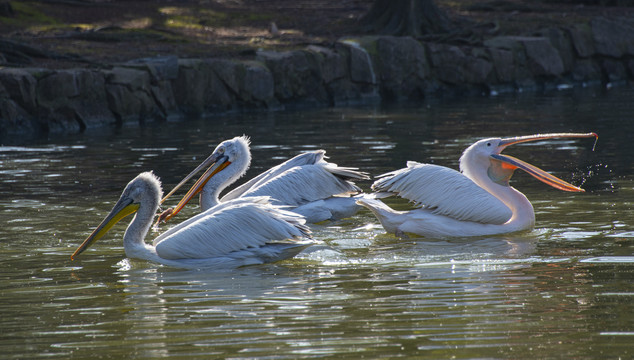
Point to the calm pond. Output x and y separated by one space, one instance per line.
563 290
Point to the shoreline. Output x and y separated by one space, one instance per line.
365 69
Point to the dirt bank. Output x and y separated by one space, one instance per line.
92 33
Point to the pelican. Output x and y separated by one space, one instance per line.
309 185
241 232
475 202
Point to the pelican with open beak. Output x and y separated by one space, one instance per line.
474 202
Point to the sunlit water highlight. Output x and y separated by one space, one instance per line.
563 290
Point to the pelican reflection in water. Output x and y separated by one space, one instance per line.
240 232
474 202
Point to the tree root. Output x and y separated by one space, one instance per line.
20 54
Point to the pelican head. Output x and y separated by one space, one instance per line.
487 154
134 193
232 153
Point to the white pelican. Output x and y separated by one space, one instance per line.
309 185
479 201
241 232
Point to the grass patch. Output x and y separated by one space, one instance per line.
27 15
198 19
183 22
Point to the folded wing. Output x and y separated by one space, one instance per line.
302 179
307 158
444 191
231 226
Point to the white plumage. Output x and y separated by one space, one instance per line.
307 183
444 191
478 201
240 232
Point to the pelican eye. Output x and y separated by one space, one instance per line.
488 144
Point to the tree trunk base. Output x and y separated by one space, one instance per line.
415 18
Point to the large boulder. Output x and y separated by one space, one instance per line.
360 63
479 67
133 79
250 82
163 95
401 66
360 83
560 40
613 70
455 66
332 65
586 70
163 70
198 89
72 100
159 68
542 59
297 77
129 94
630 68
447 63
14 119
613 37
582 41
504 65
91 104
334 69
257 85
19 84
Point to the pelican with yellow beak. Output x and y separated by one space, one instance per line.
241 232
477 201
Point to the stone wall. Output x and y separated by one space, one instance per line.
360 70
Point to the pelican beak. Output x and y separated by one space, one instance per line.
121 209
213 158
218 163
503 166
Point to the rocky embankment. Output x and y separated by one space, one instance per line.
368 69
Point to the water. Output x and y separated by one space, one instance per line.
563 290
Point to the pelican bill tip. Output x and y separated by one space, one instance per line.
166 215
77 252
573 188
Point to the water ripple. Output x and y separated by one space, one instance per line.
563 288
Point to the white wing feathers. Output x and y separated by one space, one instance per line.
231 226
303 184
302 179
444 191
307 158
